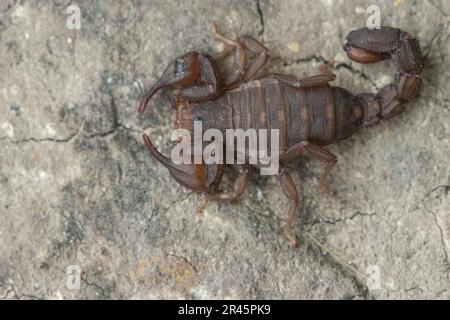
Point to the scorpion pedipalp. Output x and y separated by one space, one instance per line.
199 177
183 71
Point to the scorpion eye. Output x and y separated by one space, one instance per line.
197 118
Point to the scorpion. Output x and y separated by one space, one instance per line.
309 113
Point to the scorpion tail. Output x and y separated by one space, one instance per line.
373 45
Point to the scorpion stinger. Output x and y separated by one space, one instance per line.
184 70
368 46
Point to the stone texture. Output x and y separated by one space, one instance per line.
77 186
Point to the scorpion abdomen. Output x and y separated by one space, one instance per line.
320 114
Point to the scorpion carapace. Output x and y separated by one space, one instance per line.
309 113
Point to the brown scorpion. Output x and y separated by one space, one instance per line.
309 113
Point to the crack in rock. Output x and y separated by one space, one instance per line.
437 222
342 220
438 8
101 290
261 18
19 296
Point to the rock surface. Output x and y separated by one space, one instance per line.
80 195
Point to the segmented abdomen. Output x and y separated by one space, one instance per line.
300 114
319 115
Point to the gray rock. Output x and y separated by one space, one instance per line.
79 192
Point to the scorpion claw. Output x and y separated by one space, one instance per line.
184 70
198 177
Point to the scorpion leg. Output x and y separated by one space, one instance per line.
313 81
237 75
261 55
240 58
238 187
317 152
290 190
245 70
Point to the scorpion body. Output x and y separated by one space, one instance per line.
309 113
